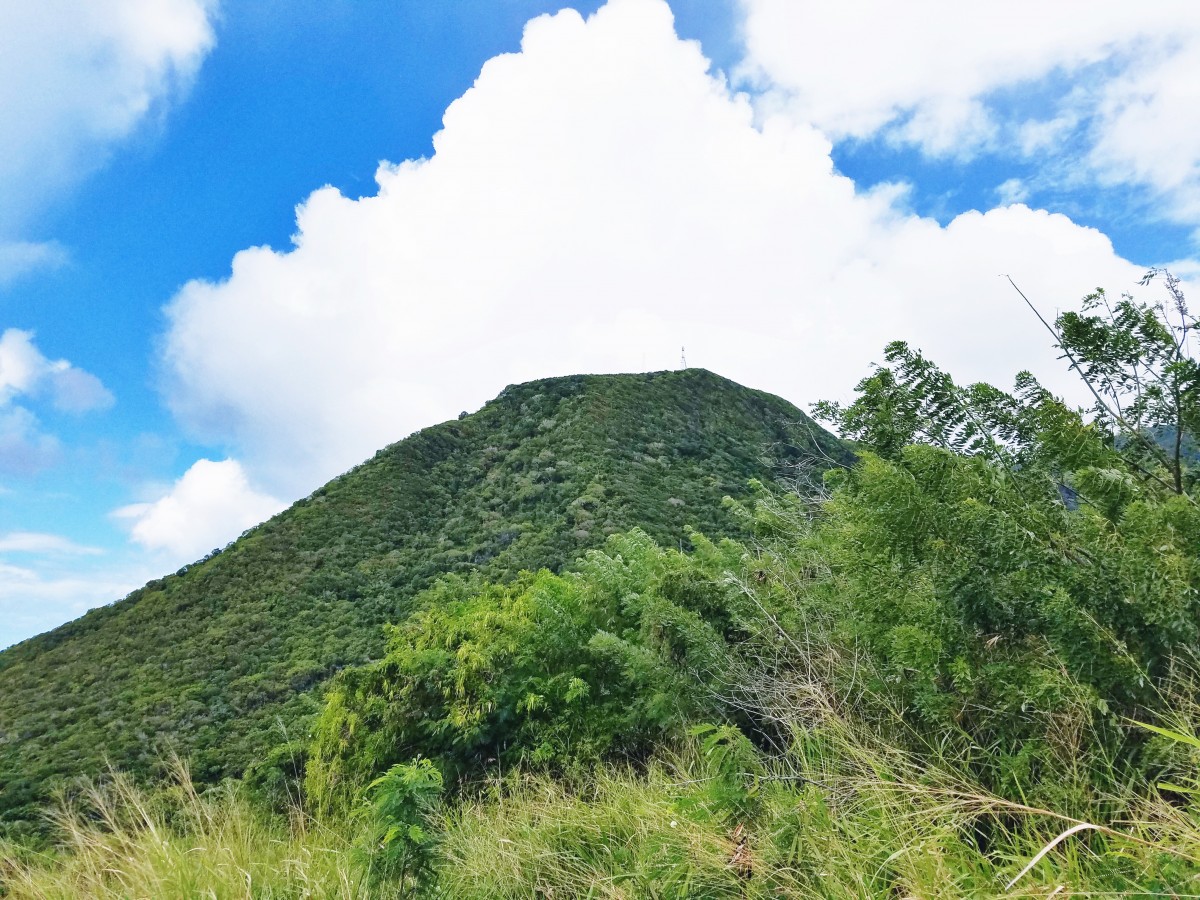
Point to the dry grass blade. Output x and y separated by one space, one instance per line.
1074 829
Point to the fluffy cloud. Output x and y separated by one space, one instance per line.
76 76
26 375
853 68
208 507
594 203
1124 81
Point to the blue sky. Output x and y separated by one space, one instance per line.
781 186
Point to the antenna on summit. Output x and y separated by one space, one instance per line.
683 356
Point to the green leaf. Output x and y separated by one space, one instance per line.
1178 789
1168 733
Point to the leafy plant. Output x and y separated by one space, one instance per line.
400 807
550 670
1135 358
1007 559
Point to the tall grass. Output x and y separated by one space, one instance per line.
883 827
838 816
623 835
117 840
845 804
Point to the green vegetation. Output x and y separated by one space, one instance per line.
961 666
118 841
225 660
552 670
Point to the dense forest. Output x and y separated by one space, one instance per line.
957 662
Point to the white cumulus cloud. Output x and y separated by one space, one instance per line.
210 505
594 203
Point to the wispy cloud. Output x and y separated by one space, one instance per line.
20 258
36 598
41 543
76 78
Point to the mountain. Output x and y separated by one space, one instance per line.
225 658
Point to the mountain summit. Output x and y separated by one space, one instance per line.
225 658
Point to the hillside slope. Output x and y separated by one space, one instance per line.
219 661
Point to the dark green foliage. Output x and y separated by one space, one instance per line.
1021 574
277 780
616 657
1016 588
226 659
735 768
1018 626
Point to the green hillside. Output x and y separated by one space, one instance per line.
224 659
965 666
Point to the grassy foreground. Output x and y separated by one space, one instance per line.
117 840
837 816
